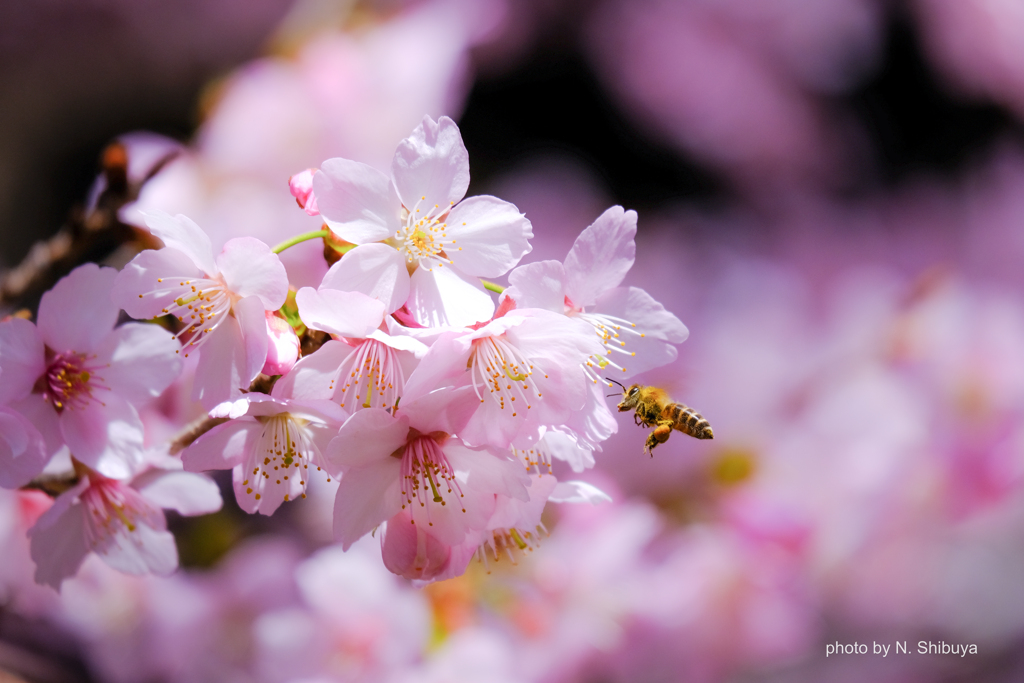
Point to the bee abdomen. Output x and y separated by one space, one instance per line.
688 421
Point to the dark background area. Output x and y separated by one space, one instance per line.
74 77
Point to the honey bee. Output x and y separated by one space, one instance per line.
655 409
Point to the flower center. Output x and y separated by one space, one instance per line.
424 237
199 304
426 475
70 380
503 370
110 507
279 461
614 333
507 541
372 376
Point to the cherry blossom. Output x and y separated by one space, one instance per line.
411 462
523 368
440 243
269 443
121 522
366 366
636 331
220 303
78 376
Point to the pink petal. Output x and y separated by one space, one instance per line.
137 288
367 496
490 236
369 436
142 361
22 359
376 270
274 492
222 373
410 551
181 233
78 312
489 471
443 410
143 550
105 436
187 493
23 453
252 322
443 365
313 377
578 492
356 201
349 314
222 447
538 285
250 268
601 256
445 296
301 187
58 547
661 329
431 166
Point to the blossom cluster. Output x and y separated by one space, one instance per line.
436 407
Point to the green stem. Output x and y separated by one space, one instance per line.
497 289
305 237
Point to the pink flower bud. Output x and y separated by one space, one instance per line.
301 186
282 347
410 551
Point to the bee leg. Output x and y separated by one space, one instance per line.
659 435
637 420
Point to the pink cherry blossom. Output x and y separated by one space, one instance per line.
412 462
269 443
220 303
524 368
637 332
77 376
365 367
441 242
121 522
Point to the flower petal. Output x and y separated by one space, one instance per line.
660 328
315 375
22 359
142 361
578 492
222 372
59 546
349 314
222 447
370 435
181 232
142 550
538 285
105 436
367 496
490 236
250 268
601 256
23 453
187 493
356 201
138 289
252 321
78 312
376 270
431 166
445 296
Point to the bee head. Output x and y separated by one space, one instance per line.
630 399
